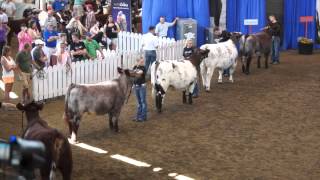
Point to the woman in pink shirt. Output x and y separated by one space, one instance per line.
24 37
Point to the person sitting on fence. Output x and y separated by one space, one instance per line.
163 26
188 50
77 48
112 29
98 35
63 56
50 36
75 25
38 55
8 68
92 47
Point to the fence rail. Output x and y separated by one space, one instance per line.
57 78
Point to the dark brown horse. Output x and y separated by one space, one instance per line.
259 44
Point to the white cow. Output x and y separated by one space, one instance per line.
222 56
180 74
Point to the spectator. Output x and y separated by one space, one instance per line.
24 62
78 8
24 37
77 48
9 8
59 5
3 35
35 17
8 68
3 17
50 37
51 20
62 39
149 45
140 90
90 18
38 54
188 50
63 55
111 28
75 25
162 27
98 35
34 32
92 47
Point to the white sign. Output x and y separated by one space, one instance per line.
251 22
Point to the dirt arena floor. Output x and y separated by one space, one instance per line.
264 126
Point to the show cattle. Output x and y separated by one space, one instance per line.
181 74
222 56
100 99
259 44
58 153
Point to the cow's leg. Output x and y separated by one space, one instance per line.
248 65
45 171
75 127
190 92
243 62
203 70
231 71
115 122
110 121
259 61
184 98
208 78
220 75
266 65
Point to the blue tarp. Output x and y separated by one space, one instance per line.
196 9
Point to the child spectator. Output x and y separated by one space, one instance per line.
92 47
8 66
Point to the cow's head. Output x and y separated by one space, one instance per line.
198 56
31 109
235 37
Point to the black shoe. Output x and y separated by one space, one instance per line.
195 96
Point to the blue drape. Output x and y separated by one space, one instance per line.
239 10
293 29
196 9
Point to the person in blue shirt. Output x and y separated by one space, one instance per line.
50 37
59 5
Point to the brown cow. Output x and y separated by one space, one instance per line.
100 99
58 151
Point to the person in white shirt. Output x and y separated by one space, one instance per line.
9 8
3 17
163 26
150 44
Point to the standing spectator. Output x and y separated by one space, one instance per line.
62 39
3 17
275 29
10 9
149 45
78 8
140 90
51 20
90 18
163 26
35 17
75 25
63 56
24 62
59 5
34 32
38 54
111 28
3 35
92 47
8 67
77 48
50 37
188 50
24 37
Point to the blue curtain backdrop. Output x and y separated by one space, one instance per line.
239 10
196 9
293 29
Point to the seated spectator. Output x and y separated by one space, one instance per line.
38 54
92 46
90 17
51 20
24 37
77 48
50 37
63 55
112 29
98 35
75 25
59 5
62 39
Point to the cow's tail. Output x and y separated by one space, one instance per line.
66 108
63 155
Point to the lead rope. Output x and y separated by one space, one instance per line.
22 128
129 94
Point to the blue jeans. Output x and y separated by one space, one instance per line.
196 90
150 57
275 48
141 93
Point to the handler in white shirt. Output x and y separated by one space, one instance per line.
162 27
150 44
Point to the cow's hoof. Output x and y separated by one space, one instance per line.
72 141
207 90
231 81
220 81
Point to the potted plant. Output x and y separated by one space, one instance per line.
305 45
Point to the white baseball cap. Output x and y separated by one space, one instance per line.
39 42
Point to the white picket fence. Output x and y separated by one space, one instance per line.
57 78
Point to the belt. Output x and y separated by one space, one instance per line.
139 85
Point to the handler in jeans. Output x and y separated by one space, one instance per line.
275 29
140 90
149 45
